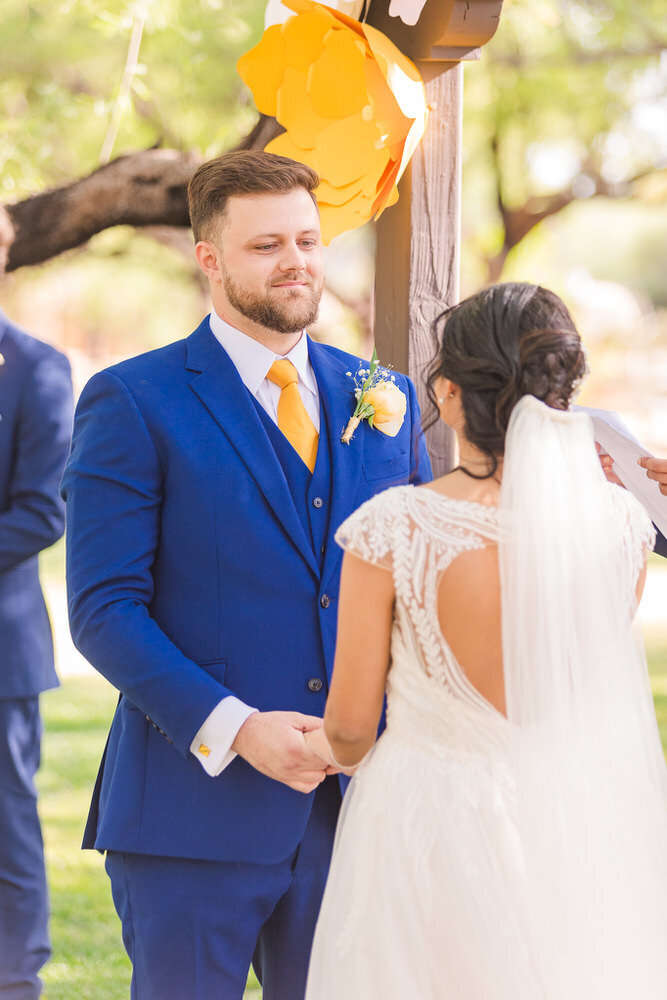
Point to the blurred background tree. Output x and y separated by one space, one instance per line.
564 183
564 180
569 103
78 73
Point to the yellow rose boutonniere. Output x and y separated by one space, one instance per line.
379 400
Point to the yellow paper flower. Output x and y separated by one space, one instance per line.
353 106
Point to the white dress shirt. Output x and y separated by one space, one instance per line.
212 743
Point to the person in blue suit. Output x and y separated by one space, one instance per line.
35 426
203 491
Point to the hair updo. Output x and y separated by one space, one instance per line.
505 342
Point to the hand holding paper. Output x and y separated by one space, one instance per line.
656 468
617 440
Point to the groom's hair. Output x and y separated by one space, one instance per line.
241 172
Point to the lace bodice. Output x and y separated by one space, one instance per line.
416 533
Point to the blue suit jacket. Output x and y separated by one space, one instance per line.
191 577
35 427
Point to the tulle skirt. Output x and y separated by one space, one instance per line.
428 898
425 896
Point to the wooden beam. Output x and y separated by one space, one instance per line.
459 26
418 239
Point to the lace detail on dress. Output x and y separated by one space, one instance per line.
367 532
417 532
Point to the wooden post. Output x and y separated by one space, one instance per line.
417 255
418 239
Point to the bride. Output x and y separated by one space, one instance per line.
506 837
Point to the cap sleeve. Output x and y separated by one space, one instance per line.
369 531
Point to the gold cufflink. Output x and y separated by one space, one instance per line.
204 750
2 359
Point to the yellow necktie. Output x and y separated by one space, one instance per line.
293 419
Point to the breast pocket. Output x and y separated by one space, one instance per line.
395 468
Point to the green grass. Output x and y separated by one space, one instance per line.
89 962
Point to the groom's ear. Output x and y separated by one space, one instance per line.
208 258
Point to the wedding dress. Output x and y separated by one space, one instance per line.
522 857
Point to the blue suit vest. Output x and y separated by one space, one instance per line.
310 491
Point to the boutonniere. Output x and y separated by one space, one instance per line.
379 400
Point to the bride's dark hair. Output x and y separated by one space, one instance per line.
505 342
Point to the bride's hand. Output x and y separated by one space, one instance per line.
607 463
318 744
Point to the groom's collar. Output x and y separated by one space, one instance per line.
252 360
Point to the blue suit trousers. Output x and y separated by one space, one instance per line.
243 913
24 909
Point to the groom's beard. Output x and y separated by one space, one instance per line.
297 309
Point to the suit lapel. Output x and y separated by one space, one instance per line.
219 387
338 402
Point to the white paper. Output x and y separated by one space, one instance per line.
619 442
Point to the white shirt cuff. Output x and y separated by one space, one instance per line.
212 743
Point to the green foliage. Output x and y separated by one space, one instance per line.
621 241
62 67
565 93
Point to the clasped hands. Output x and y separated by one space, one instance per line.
288 747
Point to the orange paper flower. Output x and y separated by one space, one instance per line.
354 108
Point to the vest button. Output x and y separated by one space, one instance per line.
325 601
318 502
314 684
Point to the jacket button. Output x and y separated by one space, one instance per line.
325 601
314 684
318 502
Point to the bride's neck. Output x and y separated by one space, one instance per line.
480 482
477 462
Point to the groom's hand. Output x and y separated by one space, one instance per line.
273 743
656 468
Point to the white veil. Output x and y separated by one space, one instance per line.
591 781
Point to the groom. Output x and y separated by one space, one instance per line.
204 488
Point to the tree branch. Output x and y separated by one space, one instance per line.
519 221
148 188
